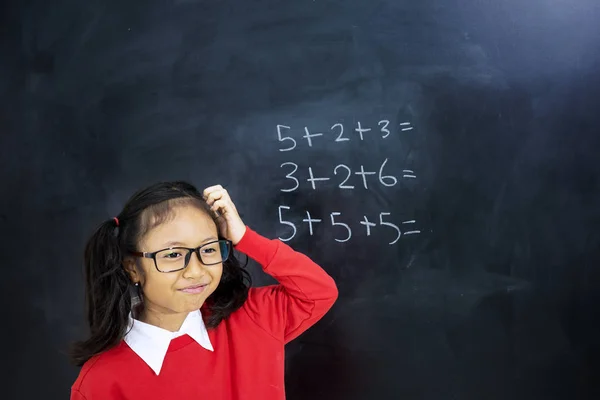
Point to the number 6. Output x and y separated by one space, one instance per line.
382 177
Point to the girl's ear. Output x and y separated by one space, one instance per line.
129 266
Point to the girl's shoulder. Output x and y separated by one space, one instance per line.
103 367
263 310
262 296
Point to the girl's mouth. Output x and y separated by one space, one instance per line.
194 289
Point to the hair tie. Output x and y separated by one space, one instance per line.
116 220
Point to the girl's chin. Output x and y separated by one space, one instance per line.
193 306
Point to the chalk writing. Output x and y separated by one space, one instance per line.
385 123
395 227
290 224
405 126
341 128
381 224
411 232
285 133
335 214
409 173
312 178
284 138
345 173
309 136
343 231
361 130
349 171
310 222
386 180
291 176
364 174
368 225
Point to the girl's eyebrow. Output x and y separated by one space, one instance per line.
177 243
172 243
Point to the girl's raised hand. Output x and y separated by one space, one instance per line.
229 222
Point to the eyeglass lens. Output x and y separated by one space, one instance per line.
178 258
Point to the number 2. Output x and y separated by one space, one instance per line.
347 177
340 138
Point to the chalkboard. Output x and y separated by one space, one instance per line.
439 158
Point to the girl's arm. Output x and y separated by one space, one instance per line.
76 395
304 294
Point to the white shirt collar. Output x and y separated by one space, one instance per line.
151 342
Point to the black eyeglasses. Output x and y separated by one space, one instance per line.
177 258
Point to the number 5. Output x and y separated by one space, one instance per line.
382 222
288 223
284 138
333 215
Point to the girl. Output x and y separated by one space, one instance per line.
193 329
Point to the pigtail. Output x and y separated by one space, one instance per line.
108 300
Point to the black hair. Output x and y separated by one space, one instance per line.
108 287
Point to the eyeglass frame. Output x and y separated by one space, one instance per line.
188 257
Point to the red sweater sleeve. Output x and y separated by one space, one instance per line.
304 294
76 395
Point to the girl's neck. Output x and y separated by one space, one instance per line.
169 322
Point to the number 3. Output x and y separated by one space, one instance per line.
384 129
290 176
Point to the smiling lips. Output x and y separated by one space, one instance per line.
194 289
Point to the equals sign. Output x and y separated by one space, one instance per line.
415 232
409 173
406 126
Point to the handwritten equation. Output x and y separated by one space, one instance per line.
337 133
345 230
345 174
345 177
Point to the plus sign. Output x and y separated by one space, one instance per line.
361 130
364 174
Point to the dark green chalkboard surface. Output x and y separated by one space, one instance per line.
439 158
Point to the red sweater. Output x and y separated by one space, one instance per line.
248 358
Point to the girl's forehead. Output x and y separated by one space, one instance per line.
185 224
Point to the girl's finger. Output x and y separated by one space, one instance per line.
221 207
217 195
210 190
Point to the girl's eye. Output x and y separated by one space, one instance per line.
171 254
209 251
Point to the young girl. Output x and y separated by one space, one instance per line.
193 328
